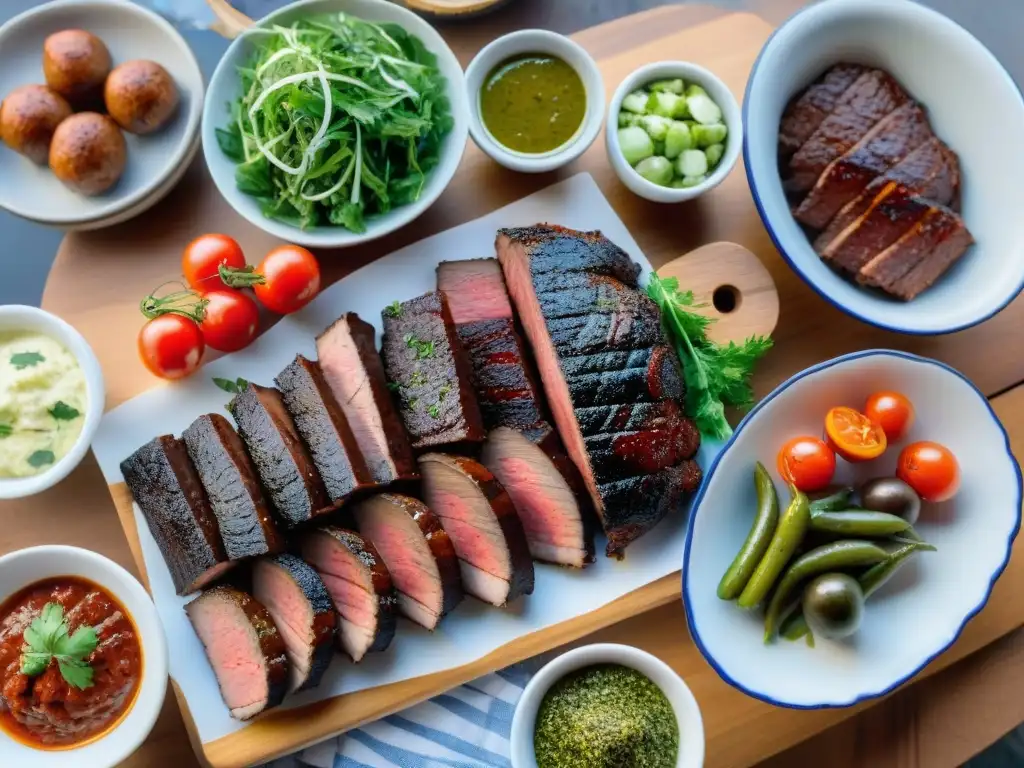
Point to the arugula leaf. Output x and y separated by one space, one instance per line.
41 458
235 387
23 360
47 639
6 430
230 142
61 411
716 375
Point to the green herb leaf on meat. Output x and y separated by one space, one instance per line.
234 387
61 411
394 309
41 459
6 430
23 360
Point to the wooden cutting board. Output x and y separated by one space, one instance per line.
99 277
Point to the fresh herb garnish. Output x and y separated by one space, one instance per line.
41 458
716 374
47 638
435 410
235 387
442 393
61 411
603 302
424 349
23 360
394 386
6 430
412 402
418 379
394 309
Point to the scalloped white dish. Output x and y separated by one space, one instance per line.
918 614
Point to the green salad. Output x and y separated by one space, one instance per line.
340 119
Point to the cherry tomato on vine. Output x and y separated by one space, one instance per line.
808 463
893 412
230 320
930 469
853 435
203 258
285 281
171 346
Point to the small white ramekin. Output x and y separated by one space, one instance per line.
719 93
27 566
691 725
18 317
538 41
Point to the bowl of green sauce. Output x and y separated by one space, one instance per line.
607 706
536 100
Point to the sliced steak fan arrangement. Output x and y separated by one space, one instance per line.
876 188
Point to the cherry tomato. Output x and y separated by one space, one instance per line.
285 281
203 257
808 463
893 412
853 435
930 469
230 321
171 346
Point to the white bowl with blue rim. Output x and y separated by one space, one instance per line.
924 608
957 79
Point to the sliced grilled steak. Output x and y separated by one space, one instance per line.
891 139
585 374
296 598
244 648
236 498
355 373
170 495
664 442
873 96
475 290
555 527
360 587
425 359
478 515
417 552
921 256
324 429
807 111
289 475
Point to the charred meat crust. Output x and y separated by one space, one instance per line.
807 111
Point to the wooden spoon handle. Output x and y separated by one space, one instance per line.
231 22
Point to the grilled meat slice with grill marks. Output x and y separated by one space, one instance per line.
424 358
324 429
296 598
807 111
285 467
664 442
603 419
167 488
243 515
481 521
355 374
244 647
417 552
360 587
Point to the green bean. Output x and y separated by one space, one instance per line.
837 556
795 626
760 536
838 500
858 522
787 537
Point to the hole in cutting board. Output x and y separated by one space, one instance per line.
726 298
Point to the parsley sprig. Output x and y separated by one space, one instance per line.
47 639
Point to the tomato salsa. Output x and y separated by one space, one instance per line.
70 663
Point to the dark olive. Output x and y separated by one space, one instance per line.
892 495
834 605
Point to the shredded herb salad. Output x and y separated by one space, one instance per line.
340 119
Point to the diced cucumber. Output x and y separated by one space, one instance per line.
656 126
714 154
635 143
659 148
691 162
657 170
668 86
691 181
635 102
706 135
666 104
677 139
695 90
703 109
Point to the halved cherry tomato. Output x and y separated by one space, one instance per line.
230 321
853 435
171 346
203 258
930 469
285 281
893 412
808 463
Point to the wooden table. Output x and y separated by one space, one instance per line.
923 725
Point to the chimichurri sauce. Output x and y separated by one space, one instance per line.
606 716
533 103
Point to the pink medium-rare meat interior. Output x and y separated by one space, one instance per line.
475 290
293 616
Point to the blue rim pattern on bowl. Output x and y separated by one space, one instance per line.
778 245
695 633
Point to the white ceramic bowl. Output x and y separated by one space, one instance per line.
922 611
691 725
27 566
17 317
130 32
540 41
956 78
719 93
224 90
